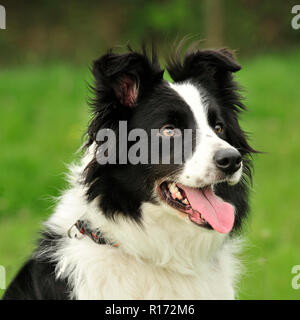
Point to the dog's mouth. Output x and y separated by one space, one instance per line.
201 205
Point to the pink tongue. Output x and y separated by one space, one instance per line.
219 214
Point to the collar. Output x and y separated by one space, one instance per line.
95 234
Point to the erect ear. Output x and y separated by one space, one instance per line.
122 78
203 64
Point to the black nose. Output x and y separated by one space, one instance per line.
228 160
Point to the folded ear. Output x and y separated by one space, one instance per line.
120 82
203 64
121 79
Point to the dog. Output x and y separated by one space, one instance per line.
144 230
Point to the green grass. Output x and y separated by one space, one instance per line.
273 232
43 117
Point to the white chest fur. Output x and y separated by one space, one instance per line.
103 272
165 259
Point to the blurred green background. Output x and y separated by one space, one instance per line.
45 55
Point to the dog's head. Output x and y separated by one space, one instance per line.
178 145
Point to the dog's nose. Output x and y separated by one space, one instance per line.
228 160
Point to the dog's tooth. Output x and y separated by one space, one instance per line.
185 201
178 195
173 188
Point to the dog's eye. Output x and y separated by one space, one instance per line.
218 128
168 130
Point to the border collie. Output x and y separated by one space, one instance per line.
163 230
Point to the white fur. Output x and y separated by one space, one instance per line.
200 169
167 258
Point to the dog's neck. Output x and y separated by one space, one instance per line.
161 239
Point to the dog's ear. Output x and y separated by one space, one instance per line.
121 79
202 65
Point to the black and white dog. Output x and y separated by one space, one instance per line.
162 230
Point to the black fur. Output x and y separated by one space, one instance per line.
36 279
124 187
